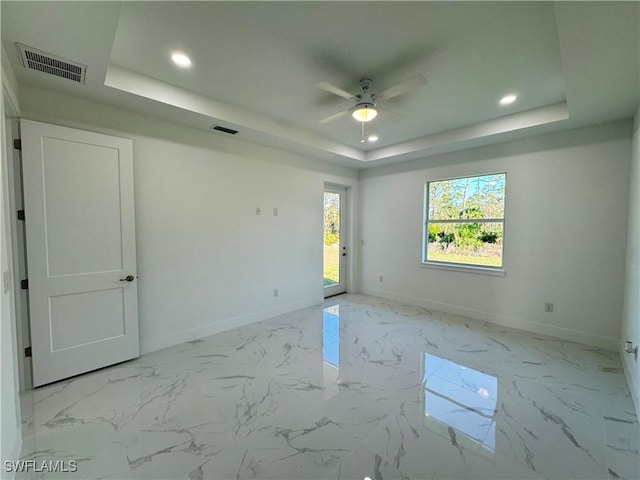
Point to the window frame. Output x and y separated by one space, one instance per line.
458 266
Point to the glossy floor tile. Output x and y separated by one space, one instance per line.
357 387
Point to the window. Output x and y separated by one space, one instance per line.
464 221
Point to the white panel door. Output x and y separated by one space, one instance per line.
81 256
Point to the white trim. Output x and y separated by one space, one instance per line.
499 319
351 230
464 267
343 261
468 135
633 382
158 343
469 220
147 87
19 260
10 84
9 106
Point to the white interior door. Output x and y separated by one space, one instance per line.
81 257
335 245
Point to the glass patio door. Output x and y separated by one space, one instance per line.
335 249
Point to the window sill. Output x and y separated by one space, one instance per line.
452 267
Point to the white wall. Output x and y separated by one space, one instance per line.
206 261
631 320
10 436
565 234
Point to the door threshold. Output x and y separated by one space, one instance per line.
335 295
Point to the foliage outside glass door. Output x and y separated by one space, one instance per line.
331 266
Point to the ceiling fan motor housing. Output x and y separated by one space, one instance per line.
365 98
365 84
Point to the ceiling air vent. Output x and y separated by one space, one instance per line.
51 64
224 129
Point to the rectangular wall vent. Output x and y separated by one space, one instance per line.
224 129
51 64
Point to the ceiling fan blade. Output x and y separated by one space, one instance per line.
331 88
332 117
414 82
389 113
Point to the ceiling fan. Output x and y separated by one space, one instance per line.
366 102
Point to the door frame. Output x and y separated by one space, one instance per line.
344 239
16 236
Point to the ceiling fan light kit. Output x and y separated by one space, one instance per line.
364 113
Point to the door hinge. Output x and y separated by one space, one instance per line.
27 352
20 214
17 144
24 284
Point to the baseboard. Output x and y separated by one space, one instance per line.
158 343
504 320
632 380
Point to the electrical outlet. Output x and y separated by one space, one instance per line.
381 278
548 307
258 211
275 211
276 292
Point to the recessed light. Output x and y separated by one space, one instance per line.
508 99
181 60
372 138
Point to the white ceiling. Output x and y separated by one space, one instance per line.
255 63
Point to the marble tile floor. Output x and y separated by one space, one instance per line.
357 387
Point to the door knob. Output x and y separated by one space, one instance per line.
128 278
